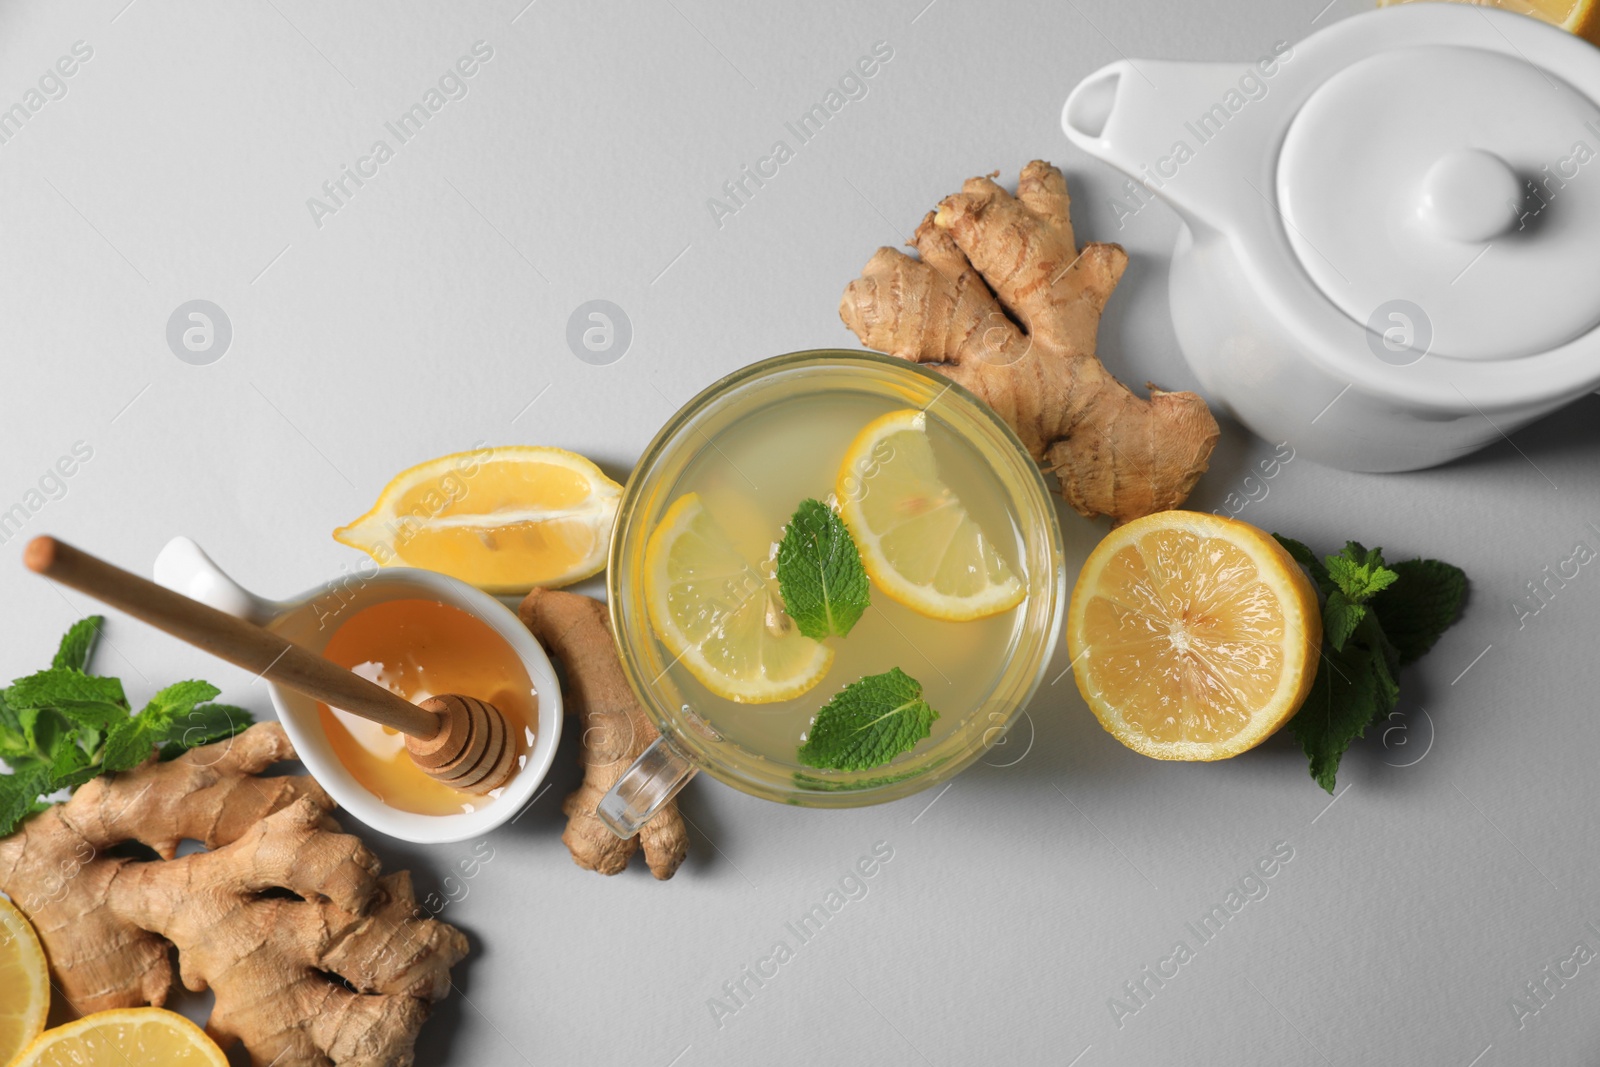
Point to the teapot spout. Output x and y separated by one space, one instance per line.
1182 132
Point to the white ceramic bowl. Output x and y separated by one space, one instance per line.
310 619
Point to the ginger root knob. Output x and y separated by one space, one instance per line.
614 731
989 261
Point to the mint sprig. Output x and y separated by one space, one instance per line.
62 726
1354 576
868 723
1376 619
824 586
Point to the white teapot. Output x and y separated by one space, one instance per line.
1391 249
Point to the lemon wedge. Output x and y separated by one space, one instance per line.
1192 636
917 542
503 519
125 1037
719 616
25 979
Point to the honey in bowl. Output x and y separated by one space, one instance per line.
418 649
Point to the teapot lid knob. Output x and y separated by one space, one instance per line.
1458 177
1470 195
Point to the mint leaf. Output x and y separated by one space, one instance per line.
18 791
72 780
1421 605
1354 688
82 697
67 761
13 742
127 745
23 762
824 586
201 726
1339 708
1359 572
1380 579
46 731
868 723
78 643
175 700
1340 617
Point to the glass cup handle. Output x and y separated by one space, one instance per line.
655 778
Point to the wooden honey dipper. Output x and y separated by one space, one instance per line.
460 741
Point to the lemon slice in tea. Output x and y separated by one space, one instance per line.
917 541
719 617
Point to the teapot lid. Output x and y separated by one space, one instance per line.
1448 197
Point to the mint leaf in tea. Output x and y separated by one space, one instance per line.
824 587
868 723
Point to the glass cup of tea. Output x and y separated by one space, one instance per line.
751 448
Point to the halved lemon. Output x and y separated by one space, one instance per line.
917 542
125 1037
503 519
25 980
1192 636
1580 17
719 616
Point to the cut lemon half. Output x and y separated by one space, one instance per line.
125 1037
25 978
719 616
503 519
1580 17
917 542
1192 636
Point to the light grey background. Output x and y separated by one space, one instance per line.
431 311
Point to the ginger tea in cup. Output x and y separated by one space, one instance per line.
830 685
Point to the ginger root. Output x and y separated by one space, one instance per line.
991 261
315 957
576 631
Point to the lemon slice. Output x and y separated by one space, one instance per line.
1580 17
917 542
25 979
503 519
1193 637
719 616
125 1037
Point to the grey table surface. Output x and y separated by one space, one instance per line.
427 309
